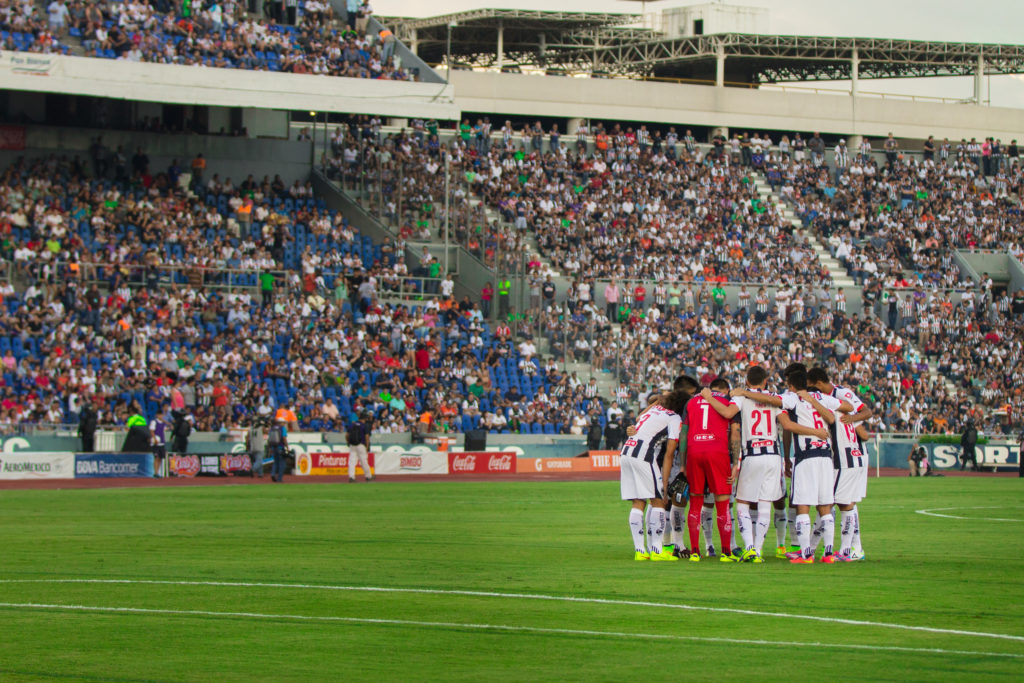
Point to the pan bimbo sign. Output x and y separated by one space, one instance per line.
481 463
410 462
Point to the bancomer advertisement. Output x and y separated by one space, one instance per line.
99 465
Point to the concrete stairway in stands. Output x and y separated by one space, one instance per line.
840 278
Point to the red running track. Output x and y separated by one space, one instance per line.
100 483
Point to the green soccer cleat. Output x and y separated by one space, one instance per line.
694 557
729 558
641 556
757 560
663 557
794 548
750 555
780 552
668 548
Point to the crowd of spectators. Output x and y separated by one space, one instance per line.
300 36
631 207
318 337
25 28
897 222
923 363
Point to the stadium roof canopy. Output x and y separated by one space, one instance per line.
617 45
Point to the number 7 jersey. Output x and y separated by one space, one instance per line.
759 426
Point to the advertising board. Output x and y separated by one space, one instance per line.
103 465
481 463
551 465
329 464
37 466
390 462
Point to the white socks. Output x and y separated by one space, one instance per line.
655 530
816 534
744 523
636 527
764 515
803 534
856 530
678 526
846 521
828 531
707 524
781 520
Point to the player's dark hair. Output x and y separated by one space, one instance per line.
817 374
687 384
719 384
797 379
675 401
793 367
756 375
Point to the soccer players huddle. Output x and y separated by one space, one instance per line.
716 446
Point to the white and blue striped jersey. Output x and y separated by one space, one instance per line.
759 427
653 427
804 414
847 451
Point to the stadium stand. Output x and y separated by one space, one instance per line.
216 34
627 209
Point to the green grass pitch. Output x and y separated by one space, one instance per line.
541 539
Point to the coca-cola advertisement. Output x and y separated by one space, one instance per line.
481 463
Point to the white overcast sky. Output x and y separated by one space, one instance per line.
991 21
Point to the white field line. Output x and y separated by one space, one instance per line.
529 596
500 628
933 512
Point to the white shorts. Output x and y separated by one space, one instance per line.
851 485
639 480
760 479
813 482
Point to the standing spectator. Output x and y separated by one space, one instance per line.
611 298
159 430
255 446
182 430
291 10
198 169
363 17
351 12
358 438
486 295
928 150
548 291
87 427
891 150
57 13
968 440
267 288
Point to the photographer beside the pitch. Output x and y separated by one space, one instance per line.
918 460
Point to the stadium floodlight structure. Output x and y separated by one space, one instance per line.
618 45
